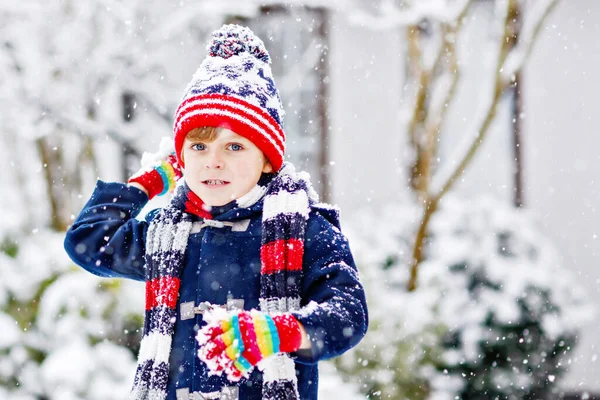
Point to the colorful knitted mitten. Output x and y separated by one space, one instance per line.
235 344
160 178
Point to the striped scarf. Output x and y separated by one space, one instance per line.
287 199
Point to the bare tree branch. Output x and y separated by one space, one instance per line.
436 117
448 177
499 85
422 80
515 62
423 126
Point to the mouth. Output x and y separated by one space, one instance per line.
215 183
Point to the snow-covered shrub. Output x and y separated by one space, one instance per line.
332 385
403 331
491 317
66 334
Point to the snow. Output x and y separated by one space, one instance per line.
65 61
10 332
390 15
81 371
69 366
481 239
166 147
331 385
63 312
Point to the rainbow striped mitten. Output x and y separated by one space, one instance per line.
235 344
161 178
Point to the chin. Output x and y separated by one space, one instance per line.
211 200
219 202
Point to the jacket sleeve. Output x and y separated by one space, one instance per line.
334 314
106 239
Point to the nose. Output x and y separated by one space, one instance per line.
214 161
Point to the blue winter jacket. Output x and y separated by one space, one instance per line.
107 240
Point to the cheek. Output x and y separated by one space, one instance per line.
250 171
191 168
190 176
250 164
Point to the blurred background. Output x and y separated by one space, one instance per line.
457 137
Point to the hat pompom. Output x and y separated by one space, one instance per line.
232 40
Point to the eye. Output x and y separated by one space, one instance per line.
235 147
198 146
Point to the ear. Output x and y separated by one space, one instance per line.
181 161
267 167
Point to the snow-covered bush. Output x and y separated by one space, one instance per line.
491 317
403 332
66 334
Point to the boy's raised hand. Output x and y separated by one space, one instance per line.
160 171
235 343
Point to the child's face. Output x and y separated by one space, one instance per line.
224 169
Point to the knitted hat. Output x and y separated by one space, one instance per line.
234 88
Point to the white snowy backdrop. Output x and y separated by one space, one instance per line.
85 87
561 86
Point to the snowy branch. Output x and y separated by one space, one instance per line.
466 150
390 15
447 176
88 128
435 83
517 58
446 88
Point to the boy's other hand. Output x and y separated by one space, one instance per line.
159 177
238 341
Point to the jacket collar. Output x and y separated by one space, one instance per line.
237 213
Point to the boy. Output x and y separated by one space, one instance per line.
249 282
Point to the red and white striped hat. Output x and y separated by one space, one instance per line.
234 88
